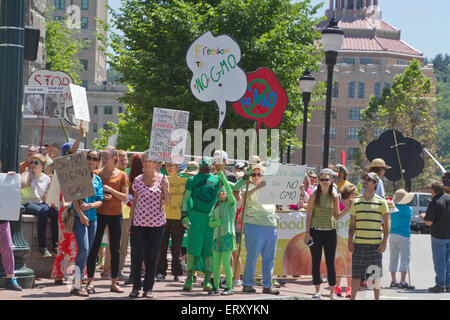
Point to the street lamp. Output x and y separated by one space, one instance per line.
307 84
332 38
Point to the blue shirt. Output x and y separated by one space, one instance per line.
400 221
91 214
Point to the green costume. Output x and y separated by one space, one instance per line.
224 238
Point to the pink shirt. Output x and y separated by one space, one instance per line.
146 212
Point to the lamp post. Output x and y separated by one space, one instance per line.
332 38
306 83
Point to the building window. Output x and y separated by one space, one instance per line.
333 113
84 83
361 90
107 110
348 60
335 89
377 132
95 109
332 133
94 126
331 153
60 5
85 64
387 85
84 22
120 110
365 61
351 90
377 89
354 113
85 43
85 4
352 133
352 153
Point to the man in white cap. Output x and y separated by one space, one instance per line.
221 158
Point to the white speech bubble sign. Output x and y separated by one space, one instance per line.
216 74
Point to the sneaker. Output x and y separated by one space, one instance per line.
276 284
403 285
348 293
338 291
316 296
237 283
334 297
12 284
436 289
178 279
248 289
227 292
45 253
393 285
134 294
271 291
213 291
160 277
148 294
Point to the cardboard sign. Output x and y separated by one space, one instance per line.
216 74
54 192
265 99
168 136
78 99
74 176
9 197
282 184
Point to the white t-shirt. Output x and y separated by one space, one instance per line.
40 185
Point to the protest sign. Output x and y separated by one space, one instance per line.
216 74
54 192
282 184
168 136
9 197
77 97
74 176
264 100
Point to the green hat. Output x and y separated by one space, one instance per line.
206 162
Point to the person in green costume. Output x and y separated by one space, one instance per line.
221 219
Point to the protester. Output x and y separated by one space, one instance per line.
348 194
323 210
341 180
239 170
199 198
237 228
367 235
379 167
220 157
438 218
85 222
7 251
221 219
53 150
31 150
260 235
399 238
152 194
303 195
313 180
115 190
174 228
38 183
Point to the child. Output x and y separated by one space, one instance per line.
224 239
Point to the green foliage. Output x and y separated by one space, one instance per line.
150 54
62 44
104 134
407 106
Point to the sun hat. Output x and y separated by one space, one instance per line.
191 168
311 173
378 163
401 196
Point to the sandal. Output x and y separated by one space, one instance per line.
115 288
90 289
80 292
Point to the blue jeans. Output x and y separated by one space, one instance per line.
441 260
43 212
85 238
259 240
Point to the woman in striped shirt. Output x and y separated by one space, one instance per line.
323 210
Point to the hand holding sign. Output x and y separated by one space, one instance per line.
216 75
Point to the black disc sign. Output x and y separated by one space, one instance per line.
409 152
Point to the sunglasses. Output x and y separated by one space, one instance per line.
92 158
34 162
324 180
256 174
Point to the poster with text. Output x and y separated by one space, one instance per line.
43 102
74 176
168 136
9 197
282 184
78 99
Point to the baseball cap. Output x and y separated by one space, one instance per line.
66 148
341 167
206 162
220 155
372 175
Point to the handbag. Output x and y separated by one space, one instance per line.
68 218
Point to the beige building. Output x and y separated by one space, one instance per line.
371 55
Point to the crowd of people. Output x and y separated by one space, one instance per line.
151 205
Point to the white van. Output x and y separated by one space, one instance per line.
419 204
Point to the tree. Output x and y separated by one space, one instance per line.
104 134
155 35
409 107
62 44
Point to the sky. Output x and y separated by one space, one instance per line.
424 24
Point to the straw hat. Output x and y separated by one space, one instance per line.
191 168
403 197
378 163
